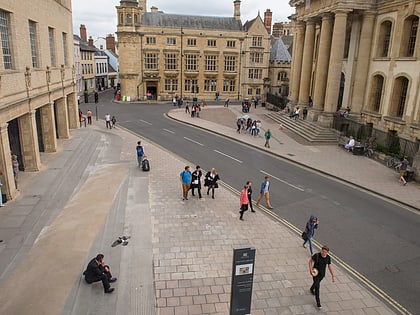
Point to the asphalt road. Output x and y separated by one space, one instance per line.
377 238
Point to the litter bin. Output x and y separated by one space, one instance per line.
358 150
409 176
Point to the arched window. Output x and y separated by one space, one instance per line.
121 19
409 35
384 39
399 97
377 91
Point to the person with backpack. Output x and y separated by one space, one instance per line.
140 152
317 268
185 177
310 227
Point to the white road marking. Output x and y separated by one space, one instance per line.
146 122
193 141
170 131
230 157
280 180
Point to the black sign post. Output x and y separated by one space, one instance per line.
242 279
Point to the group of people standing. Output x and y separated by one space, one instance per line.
252 127
192 180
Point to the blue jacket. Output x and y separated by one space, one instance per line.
263 184
311 226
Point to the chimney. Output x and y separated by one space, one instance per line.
268 17
154 9
110 42
83 34
237 12
91 41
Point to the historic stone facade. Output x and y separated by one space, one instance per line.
166 55
37 82
364 55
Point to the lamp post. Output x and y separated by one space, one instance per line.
182 57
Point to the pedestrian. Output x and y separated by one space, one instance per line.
187 108
305 112
108 121
1 194
210 181
310 227
196 181
317 267
96 97
80 117
267 136
15 167
89 116
238 124
226 102
140 152
243 202
265 192
249 184
185 177
78 99
403 170
113 120
97 271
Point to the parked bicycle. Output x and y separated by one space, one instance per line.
368 150
393 162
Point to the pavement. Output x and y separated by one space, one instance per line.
179 256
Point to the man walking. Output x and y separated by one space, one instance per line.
267 136
89 116
265 192
317 267
185 177
108 121
140 152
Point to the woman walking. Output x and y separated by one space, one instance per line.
249 184
311 225
243 201
210 180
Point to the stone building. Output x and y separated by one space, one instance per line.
167 55
364 55
87 61
37 85
280 67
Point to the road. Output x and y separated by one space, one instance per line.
376 237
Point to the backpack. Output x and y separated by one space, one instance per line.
140 150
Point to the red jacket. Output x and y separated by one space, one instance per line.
244 197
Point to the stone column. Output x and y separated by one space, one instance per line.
363 60
48 128
307 61
322 62
336 61
73 111
7 178
62 118
297 62
29 142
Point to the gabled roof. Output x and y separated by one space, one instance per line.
160 19
84 45
279 52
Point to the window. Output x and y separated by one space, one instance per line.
210 63
230 64
258 91
384 39
150 61
33 42
256 57
409 35
191 42
232 85
211 43
171 85
257 41
255 73
281 76
191 62
6 40
65 50
377 87
171 41
231 43
52 46
249 91
191 86
151 40
210 85
399 97
171 61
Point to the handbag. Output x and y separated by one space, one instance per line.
304 235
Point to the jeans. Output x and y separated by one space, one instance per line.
309 240
315 288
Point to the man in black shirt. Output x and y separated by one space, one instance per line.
98 271
320 261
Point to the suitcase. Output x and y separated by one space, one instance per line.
145 165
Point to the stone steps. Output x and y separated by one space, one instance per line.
309 131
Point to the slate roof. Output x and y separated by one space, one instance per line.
160 19
84 45
279 52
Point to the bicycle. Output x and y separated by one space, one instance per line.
368 151
393 162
